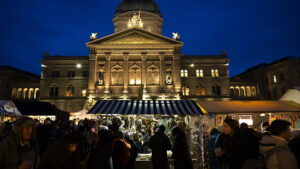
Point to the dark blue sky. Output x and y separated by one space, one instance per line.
251 31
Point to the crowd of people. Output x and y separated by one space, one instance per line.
87 144
241 147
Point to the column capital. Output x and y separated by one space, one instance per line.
107 55
161 55
126 55
144 55
92 56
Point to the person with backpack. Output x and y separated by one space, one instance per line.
274 148
159 144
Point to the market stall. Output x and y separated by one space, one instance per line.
8 111
40 110
81 115
251 112
140 118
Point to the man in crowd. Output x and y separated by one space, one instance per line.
18 150
159 144
275 148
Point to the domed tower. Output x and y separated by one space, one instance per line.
147 10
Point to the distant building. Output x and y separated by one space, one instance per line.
18 84
267 81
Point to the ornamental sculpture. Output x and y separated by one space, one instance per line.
176 36
93 36
135 21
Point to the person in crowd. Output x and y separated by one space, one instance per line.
224 143
159 144
46 134
146 139
181 153
265 128
133 151
213 160
63 153
19 149
294 145
121 148
101 156
277 154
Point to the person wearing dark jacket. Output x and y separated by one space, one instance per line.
181 154
294 145
213 160
63 153
19 149
133 152
159 144
101 156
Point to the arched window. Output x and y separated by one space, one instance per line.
70 92
31 93
248 91
231 91
19 94
253 91
135 76
200 91
36 93
185 90
53 91
237 91
216 90
117 75
153 74
25 93
243 91
14 93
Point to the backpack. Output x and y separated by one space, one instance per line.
126 147
261 162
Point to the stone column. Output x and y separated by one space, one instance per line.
92 72
126 72
176 72
144 69
162 77
107 77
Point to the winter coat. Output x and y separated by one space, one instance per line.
159 144
11 153
213 160
282 157
294 145
181 154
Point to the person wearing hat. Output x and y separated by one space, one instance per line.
19 150
64 153
159 144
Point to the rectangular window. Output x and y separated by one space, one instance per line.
185 91
217 72
199 73
55 74
53 92
214 73
216 90
184 73
70 91
274 79
85 73
71 73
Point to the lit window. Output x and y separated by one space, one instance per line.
184 73
274 79
83 93
70 91
200 91
199 73
214 73
185 91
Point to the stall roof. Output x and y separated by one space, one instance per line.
140 107
37 108
216 107
8 108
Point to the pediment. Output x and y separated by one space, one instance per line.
134 36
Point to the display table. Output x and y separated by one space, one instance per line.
143 161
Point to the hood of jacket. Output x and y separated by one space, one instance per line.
269 142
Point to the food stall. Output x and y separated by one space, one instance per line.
142 116
81 115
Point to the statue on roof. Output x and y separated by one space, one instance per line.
176 36
135 21
93 36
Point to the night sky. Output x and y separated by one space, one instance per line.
251 31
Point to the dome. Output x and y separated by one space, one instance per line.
135 5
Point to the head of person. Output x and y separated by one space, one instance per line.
114 128
281 128
264 126
214 131
230 126
69 142
244 125
162 128
24 129
104 137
